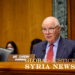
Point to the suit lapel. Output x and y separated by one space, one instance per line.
44 49
61 48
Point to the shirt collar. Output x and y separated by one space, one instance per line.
55 43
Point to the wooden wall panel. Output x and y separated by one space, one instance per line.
71 19
21 21
72 16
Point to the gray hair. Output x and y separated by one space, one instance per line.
56 21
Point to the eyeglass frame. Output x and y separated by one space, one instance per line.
49 30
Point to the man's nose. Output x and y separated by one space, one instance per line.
47 32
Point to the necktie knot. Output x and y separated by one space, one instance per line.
51 45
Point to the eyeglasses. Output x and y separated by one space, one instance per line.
49 30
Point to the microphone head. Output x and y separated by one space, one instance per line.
43 50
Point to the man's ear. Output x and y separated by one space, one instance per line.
59 27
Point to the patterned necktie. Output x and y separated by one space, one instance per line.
50 53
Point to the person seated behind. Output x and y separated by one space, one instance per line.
12 46
55 47
35 41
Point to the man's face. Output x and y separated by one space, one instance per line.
52 31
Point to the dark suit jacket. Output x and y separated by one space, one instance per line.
66 49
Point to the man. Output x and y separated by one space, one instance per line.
54 47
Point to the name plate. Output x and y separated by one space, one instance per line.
21 58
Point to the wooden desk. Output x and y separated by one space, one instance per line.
18 68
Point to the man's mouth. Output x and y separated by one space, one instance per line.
48 36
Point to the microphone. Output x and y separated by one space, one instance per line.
43 53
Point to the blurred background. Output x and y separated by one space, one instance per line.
21 20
